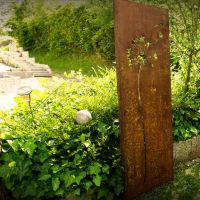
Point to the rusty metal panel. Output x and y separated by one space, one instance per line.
143 72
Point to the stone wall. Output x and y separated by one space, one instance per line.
186 150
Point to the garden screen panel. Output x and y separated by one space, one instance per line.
143 73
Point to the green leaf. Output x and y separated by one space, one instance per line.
118 188
6 136
66 136
30 190
44 177
77 159
55 183
105 169
45 168
4 171
55 169
77 192
43 155
95 168
88 184
60 192
103 192
87 143
14 144
29 147
80 177
101 127
97 180
69 179
110 196
193 130
12 164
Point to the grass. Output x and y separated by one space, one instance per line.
186 186
67 63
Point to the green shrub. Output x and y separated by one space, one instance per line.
186 114
103 41
68 29
47 154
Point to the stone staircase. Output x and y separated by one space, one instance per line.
20 64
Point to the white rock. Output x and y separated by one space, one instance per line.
83 117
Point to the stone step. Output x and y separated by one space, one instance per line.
39 73
37 69
16 69
26 73
42 74
21 64
21 74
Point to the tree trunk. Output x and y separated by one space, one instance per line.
188 72
4 193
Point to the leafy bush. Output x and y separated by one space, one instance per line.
186 118
186 112
66 30
47 154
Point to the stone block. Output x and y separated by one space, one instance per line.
31 60
174 150
17 64
16 69
183 151
45 66
25 65
5 59
42 74
195 153
25 54
15 54
11 61
20 49
12 47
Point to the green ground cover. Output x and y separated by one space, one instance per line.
186 186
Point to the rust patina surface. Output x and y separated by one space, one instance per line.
143 71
